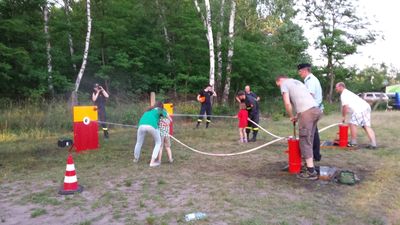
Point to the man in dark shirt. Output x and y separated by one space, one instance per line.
99 97
254 114
204 97
247 91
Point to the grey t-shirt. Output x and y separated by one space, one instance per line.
300 96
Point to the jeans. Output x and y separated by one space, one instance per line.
141 133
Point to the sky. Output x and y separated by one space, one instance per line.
384 16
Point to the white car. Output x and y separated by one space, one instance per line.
373 97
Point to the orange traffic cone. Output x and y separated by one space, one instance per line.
70 181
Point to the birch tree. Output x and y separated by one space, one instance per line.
70 41
74 95
165 30
210 37
48 48
218 81
231 38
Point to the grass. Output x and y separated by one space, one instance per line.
246 189
38 212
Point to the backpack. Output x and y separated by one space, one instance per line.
346 177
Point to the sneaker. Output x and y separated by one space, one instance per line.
135 160
245 141
371 147
285 168
171 160
155 164
308 176
351 145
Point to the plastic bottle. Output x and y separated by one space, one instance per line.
195 216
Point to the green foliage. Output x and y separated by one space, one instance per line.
129 53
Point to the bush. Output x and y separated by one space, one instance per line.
330 108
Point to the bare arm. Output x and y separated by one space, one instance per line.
288 106
94 96
105 93
345 109
237 99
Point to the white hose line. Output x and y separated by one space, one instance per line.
327 127
243 152
226 154
273 135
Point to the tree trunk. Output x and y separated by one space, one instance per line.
230 52
85 54
331 76
218 82
165 30
210 42
48 48
208 26
201 15
70 41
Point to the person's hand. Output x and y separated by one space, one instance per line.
293 119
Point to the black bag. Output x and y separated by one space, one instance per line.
64 142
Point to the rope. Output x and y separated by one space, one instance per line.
195 115
118 124
273 135
226 154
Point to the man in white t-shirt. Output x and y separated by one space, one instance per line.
360 114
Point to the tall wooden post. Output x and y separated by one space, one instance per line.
152 98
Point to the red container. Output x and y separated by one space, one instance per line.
343 135
294 156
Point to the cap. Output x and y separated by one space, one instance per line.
303 65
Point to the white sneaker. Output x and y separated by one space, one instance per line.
135 160
155 164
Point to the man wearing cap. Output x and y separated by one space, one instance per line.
314 87
297 98
360 114
99 97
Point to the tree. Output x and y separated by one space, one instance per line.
48 48
219 48
342 31
74 95
210 38
230 51
70 40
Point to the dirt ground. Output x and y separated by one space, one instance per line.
245 189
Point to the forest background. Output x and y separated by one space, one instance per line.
139 46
